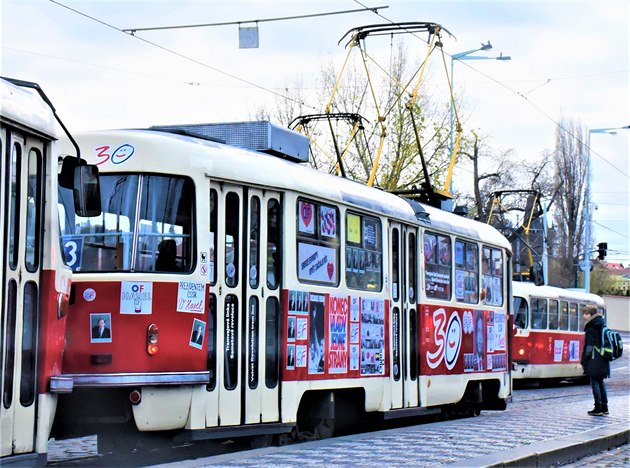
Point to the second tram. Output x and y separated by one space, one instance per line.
226 291
548 331
35 280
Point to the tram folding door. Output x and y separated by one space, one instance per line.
403 318
247 305
20 254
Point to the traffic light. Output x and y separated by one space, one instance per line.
602 249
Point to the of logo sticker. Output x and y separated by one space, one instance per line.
89 294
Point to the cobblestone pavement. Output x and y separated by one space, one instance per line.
614 458
535 416
448 442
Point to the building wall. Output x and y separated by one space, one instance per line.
618 312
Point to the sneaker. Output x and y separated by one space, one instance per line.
596 412
605 409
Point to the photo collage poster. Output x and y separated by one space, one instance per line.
372 337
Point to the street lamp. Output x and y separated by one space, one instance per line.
466 56
587 227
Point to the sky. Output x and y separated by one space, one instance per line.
569 60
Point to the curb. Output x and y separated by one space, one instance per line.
554 452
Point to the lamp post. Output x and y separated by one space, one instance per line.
466 56
587 200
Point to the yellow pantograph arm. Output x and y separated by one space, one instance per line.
355 129
336 87
458 128
414 93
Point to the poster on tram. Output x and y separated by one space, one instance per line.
338 313
456 341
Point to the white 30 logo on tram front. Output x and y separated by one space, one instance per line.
448 339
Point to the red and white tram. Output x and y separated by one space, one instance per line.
548 331
35 280
225 291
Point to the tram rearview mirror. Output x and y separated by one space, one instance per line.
87 191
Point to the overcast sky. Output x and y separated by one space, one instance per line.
569 59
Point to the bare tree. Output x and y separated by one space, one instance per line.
570 160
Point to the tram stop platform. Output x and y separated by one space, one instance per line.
541 427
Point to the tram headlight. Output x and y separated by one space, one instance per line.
63 304
152 339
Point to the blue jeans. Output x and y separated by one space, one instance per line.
599 391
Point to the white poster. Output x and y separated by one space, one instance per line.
500 331
136 297
557 350
317 263
191 297
354 309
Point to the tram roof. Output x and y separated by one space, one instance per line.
228 163
24 107
523 288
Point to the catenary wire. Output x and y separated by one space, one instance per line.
485 75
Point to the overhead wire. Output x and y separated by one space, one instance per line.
183 56
297 101
485 75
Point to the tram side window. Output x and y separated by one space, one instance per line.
232 238
272 363
34 204
161 240
437 266
212 273
466 272
363 252
412 277
574 318
539 314
520 312
274 248
14 204
564 315
317 243
254 235
553 315
492 269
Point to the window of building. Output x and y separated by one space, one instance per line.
317 243
364 252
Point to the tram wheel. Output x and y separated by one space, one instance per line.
261 441
325 428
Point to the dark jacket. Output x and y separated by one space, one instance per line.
593 363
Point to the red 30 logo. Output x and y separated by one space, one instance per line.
447 339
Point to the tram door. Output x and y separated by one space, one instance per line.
21 190
245 223
403 319
262 279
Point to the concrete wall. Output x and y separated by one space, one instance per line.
618 312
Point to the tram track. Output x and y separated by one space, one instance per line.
83 451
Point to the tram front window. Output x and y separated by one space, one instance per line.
146 226
521 311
